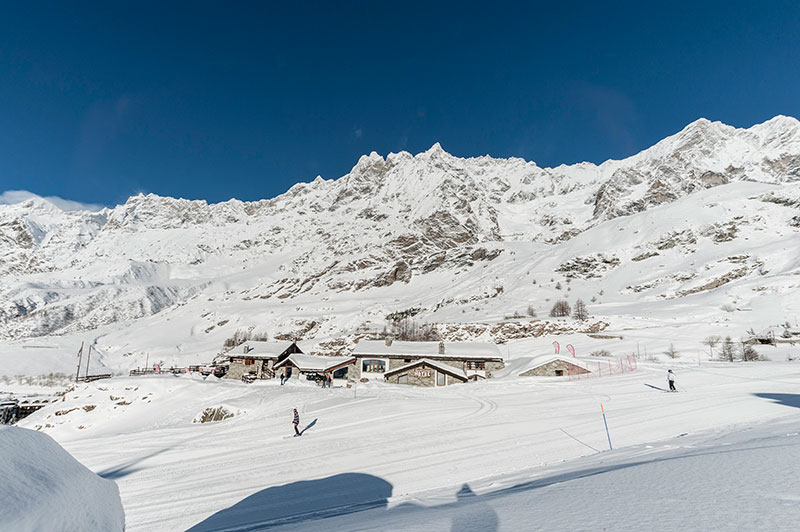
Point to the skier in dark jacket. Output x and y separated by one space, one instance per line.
671 380
296 422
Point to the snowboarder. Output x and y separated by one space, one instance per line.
671 380
296 422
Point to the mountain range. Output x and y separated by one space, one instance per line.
704 221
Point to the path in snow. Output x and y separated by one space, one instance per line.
499 438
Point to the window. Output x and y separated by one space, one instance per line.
373 366
440 378
559 373
402 379
476 364
248 361
407 360
340 373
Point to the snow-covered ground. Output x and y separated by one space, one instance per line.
507 454
42 487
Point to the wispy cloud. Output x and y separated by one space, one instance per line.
613 114
358 132
10 197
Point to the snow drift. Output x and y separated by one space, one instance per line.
45 488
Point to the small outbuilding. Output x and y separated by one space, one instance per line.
258 358
554 367
425 372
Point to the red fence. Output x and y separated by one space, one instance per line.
604 368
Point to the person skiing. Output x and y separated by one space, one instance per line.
671 380
296 422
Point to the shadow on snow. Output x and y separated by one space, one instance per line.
301 501
348 493
308 427
337 496
788 399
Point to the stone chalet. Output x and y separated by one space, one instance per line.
314 367
553 367
425 363
258 358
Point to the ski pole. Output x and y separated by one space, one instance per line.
610 448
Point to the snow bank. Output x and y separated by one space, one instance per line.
45 488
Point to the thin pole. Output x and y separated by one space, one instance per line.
88 357
80 356
610 448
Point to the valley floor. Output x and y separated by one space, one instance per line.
508 454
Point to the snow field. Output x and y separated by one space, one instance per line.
427 443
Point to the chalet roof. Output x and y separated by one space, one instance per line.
441 366
314 362
455 350
261 349
542 361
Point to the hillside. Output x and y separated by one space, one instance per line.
707 218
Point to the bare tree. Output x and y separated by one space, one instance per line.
711 342
531 311
409 330
580 312
671 352
749 354
727 349
560 309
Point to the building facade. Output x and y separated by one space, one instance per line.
381 359
258 358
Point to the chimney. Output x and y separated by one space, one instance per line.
441 348
388 341
245 349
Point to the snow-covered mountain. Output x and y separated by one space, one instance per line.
710 210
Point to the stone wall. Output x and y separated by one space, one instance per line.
427 381
395 363
413 380
549 369
237 369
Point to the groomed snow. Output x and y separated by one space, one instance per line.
510 453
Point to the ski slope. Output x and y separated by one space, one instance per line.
507 454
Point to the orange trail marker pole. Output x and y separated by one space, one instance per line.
610 448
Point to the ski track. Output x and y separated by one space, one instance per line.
176 473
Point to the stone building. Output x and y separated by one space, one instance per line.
378 359
425 372
258 358
314 367
554 367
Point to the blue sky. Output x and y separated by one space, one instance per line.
205 100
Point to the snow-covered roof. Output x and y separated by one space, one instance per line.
313 362
544 360
480 350
261 349
441 366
